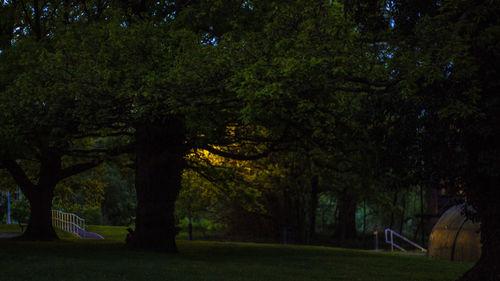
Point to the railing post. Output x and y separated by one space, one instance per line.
392 242
68 222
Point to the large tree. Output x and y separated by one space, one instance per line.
459 65
53 103
286 66
443 57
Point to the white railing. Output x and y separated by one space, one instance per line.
68 222
389 239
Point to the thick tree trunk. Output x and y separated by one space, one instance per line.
160 151
40 198
346 226
487 267
482 177
484 198
40 222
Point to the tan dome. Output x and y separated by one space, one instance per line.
454 237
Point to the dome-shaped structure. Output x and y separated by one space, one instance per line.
454 237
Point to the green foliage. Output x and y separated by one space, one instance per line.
86 190
201 226
82 195
119 203
92 215
20 211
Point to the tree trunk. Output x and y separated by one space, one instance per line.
40 198
160 151
402 220
40 222
346 227
488 210
482 177
364 217
40 195
190 228
313 205
432 208
394 203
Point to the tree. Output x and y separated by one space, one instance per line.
50 103
137 86
464 72
443 60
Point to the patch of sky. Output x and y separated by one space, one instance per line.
389 8
209 39
384 50
247 5
422 113
448 69
392 23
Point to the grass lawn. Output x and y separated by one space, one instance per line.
109 259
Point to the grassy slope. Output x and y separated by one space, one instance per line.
109 259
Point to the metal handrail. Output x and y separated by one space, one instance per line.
389 239
68 222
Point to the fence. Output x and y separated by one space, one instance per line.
69 222
389 239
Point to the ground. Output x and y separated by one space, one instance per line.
109 259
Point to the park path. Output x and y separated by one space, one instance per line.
90 235
9 235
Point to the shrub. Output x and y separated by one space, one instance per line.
92 215
20 211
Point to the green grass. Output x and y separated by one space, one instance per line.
109 259
109 232
15 228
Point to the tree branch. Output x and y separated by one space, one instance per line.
235 156
78 168
129 148
18 174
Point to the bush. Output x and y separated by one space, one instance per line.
20 211
202 226
3 210
92 215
